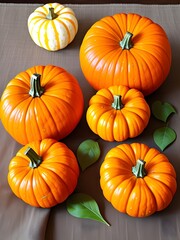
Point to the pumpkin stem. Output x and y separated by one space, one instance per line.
35 159
51 14
126 43
36 90
139 170
117 104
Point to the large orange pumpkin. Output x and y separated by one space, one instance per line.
137 180
41 102
126 49
43 173
118 113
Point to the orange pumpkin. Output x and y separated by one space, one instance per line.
118 113
137 180
126 49
41 102
43 173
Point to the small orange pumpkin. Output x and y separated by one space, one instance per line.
137 180
126 49
118 113
43 173
41 102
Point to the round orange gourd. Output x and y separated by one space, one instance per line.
41 102
52 26
118 113
126 49
43 173
137 180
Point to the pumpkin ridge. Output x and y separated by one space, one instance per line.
34 19
44 102
124 120
27 179
60 163
42 41
130 53
145 191
134 111
151 54
38 176
149 70
61 22
135 122
70 20
62 101
124 150
129 182
56 176
107 33
17 172
29 112
139 47
18 106
151 175
158 194
155 202
58 45
102 128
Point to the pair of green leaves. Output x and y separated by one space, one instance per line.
165 135
81 205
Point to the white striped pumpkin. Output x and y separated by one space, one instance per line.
52 26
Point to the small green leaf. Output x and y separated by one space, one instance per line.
88 153
162 111
81 205
164 136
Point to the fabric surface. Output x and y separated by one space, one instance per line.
18 52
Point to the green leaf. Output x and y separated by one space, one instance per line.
162 111
81 205
88 153
164 136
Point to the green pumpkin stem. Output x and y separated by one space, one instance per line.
126 43
36 90
35 159
51 14
117 104
139 170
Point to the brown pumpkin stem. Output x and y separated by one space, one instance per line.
126 43
51 14
117 104
35 159
139 170
36 90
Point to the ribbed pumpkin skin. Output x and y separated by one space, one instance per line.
145 66
53 34
113 124
136 196
52 181
54 114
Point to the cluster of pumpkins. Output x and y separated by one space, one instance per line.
124 57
